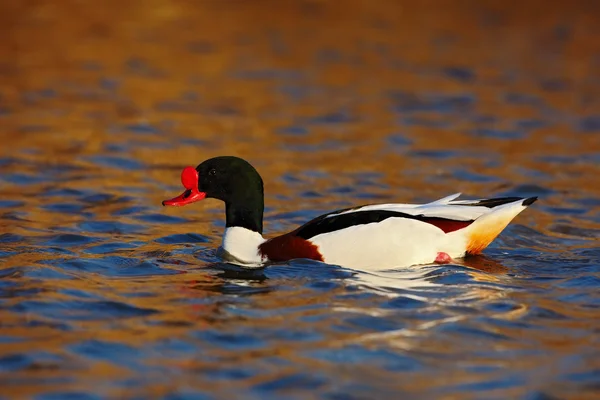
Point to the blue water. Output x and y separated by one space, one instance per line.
106 294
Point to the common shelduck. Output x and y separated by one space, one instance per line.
368 237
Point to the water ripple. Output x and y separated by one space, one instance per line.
104 293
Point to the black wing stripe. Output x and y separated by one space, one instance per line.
490 203
324 224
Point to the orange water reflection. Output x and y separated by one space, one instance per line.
102 105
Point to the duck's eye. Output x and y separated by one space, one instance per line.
212 172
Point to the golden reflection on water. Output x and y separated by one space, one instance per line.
227 77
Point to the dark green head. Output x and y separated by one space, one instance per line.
230 179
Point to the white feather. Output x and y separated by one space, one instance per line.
442 208
447 199
241 245
399 242
391 243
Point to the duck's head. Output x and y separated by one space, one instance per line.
226 178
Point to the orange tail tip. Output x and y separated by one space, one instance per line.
481 238
487 227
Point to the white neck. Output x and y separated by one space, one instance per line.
242 244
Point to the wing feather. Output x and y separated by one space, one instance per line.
447 208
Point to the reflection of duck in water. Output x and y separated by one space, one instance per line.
371 237
406 280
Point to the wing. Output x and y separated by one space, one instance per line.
447 214
448 207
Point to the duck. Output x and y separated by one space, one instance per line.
367 237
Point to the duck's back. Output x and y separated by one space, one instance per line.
384 236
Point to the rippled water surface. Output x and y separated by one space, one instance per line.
104 293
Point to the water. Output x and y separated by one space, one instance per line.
104 293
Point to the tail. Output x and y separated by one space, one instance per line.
487 227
